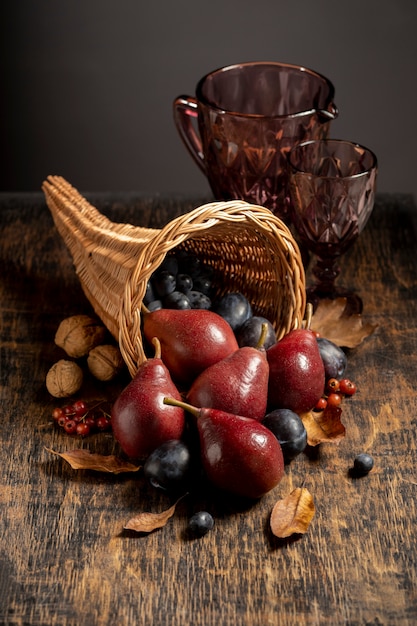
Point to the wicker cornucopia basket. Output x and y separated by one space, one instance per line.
250 250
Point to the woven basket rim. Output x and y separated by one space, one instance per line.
114 260
197 223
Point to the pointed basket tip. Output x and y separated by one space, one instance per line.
249 248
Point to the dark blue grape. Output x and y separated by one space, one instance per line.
250 332
290 431
234 308
176 300
155 305
149 293
201 523
333 357
203 283
163 283
184 283
168 467
198 300
363 464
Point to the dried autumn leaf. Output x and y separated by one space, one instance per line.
293 513
333 322
147 522
324 426
84 459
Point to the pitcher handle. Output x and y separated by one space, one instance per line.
330 113
185 117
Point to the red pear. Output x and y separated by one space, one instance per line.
238 454
296 372
141 420
191 340
237 384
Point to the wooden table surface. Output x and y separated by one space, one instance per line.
64 556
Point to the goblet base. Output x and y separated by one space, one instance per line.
354 304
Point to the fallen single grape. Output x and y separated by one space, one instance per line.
201 523
363 464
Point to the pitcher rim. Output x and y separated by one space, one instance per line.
331 112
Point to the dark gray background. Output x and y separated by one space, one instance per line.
87 86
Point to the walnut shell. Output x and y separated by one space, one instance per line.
79 334
105 362
64 379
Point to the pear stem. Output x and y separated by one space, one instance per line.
309 315
157 345
183 405
144 309
261 340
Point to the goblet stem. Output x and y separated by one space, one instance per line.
326 271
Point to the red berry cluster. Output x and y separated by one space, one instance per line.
336 390
80 419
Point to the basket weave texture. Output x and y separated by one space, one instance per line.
249 249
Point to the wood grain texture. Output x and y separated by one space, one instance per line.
64 557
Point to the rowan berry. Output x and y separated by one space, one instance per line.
333 385
347 387
334 399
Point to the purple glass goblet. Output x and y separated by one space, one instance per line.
332 186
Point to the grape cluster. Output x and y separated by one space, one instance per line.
180 282
80 419
184 281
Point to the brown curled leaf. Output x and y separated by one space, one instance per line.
84 459
293 514
147 522
324 426
332 321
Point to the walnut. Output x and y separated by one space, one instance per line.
79 334
105 362
64 379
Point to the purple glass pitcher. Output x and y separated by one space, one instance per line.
243 121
